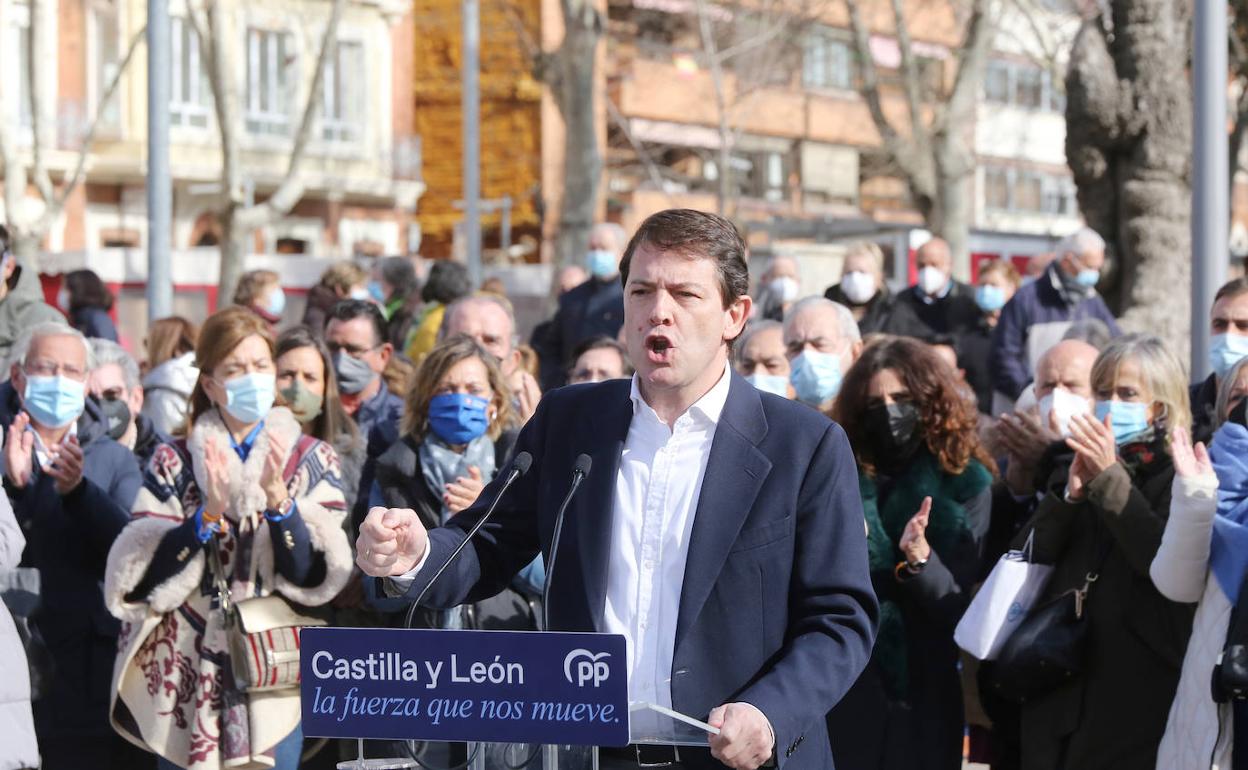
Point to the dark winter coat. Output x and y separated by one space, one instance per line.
1038 304
879 308
595 308
321 299
1112 717
67 540
953 314
94 322
874 727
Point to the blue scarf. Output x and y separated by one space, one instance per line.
1228 553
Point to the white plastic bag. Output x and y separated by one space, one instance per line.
1003 601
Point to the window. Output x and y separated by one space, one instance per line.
188 88
827 63
1028 88
996 188
1022 85
107 60
344 92
268 80
997 82
17 40
1028 192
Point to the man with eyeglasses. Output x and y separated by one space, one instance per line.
21 303
490 320
1039 314
355 333
71 488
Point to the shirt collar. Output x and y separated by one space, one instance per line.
709 407
244 449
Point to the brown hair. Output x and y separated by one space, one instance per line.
1232 289
333 421
252 285
222 332
948 420
1005 268
341 276
431 371
695 234
168 338
87 290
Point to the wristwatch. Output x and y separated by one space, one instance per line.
282 510
916 567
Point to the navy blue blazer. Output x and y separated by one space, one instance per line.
777 608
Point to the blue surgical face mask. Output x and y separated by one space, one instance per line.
990 298
770 383
1129 418
1088 277
601 263
816 376
375 291
277 302
53 402
1226 350
249 397
458 418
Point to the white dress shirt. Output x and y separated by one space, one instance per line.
656 494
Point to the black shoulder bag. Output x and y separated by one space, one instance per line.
1049 648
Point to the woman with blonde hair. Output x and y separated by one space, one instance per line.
247 488
458 427
171 373
862 288
1100 527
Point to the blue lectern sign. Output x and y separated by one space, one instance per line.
496 686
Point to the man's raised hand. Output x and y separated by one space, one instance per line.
392 541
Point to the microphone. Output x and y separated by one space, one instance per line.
580 470
519 466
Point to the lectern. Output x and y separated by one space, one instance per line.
514 695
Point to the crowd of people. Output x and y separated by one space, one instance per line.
235 460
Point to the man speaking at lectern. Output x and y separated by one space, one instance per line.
720 530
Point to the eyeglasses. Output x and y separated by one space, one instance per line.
45 368
351 350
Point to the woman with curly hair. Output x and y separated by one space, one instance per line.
926 493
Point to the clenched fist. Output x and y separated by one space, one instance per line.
392 541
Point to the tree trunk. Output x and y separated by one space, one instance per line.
950 219
1128 143
235 241
575 65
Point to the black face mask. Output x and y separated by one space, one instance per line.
116 415
893 432
1240 413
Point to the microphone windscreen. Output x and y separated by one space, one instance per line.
583 463
522 462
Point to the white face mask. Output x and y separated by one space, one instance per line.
932 280
785 288
1062 405
859 287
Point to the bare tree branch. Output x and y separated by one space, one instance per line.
647 162
43 183
88 142
291 189
909 74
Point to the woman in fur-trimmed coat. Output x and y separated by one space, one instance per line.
272 497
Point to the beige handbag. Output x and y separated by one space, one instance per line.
263 633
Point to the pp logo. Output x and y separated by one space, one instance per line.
589 668
1014 613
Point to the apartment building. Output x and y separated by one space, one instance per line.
363 170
